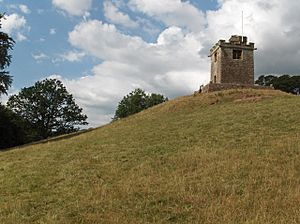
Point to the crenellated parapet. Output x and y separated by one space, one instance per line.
234 42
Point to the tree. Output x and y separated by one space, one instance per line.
155 99
266 80
14 130
137 101
49 108
6 44
286 83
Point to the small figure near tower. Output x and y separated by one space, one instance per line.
232 64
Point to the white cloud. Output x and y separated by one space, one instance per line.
52 31
114 15
176 63
73 7
24 9
148 26
39 56
171 12
21 37
73 56
272 25
11 91
12 23
15 25
103 40
171 66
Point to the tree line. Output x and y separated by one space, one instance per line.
286 83
38 112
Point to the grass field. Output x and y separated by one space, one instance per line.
224 157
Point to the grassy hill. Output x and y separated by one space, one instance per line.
224 157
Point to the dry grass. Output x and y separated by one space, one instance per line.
225 157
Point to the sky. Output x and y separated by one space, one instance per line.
102 49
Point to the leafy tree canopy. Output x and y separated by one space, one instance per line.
286 83
6 44
48 107
13 129
137 101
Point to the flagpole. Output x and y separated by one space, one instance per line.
242 23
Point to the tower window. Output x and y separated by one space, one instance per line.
237 54
216 57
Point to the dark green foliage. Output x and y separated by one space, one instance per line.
286 83
49 107
137 101
6 44
155 99
265 80
13 129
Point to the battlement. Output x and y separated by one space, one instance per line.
236 41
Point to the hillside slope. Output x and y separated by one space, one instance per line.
225 157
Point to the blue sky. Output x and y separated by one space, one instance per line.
102 50
44 17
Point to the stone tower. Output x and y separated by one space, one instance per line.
232 62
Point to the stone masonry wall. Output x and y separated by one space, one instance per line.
216 66
212 87
239 71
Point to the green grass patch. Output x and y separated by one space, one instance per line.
224 157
